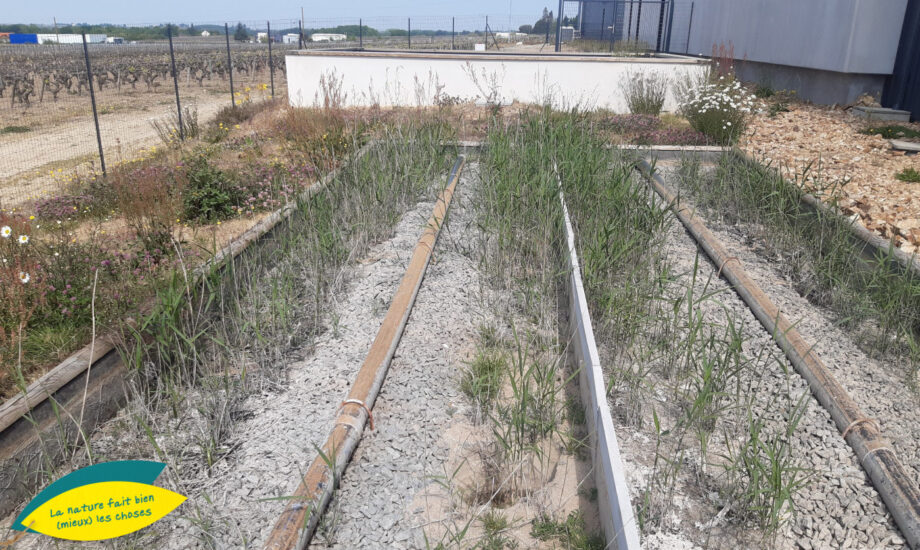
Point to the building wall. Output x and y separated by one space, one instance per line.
902 91
846 36
399 78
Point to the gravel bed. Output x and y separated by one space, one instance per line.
236 503
839 508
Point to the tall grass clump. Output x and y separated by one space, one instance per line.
645 92
869 291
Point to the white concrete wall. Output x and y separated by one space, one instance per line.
849 36
392 78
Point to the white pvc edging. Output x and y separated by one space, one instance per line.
616 512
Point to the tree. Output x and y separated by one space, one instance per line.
526 29
192 31
545 23
240 35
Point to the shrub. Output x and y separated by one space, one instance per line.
720 110
209 194
149 199
910 175
644 92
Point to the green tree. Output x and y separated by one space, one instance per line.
192 31
526 29
240 35
545 23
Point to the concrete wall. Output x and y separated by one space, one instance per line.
847 36
399 78
823 87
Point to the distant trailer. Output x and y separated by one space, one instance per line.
19 38
56 38
290 38
327 37
114 40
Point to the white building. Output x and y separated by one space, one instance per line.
205 34
56 38
290 38
327 37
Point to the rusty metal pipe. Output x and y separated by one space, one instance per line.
298 521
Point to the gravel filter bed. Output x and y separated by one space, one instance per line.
838 508
405 483
236 503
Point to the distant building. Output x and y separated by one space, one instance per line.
290 38
114 40
55 38
261 37
205 34
327 37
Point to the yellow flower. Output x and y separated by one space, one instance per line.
31 217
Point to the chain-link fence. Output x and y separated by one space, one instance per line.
167 81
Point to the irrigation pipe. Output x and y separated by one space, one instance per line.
875 454
298 521
616 512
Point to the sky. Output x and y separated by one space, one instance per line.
427 14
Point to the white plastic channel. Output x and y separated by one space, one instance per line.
619 523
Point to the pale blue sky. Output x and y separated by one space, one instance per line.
433 12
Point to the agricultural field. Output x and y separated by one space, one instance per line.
48 130
344 327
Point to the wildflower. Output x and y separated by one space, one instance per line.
6 231
23 239
31 217
24 277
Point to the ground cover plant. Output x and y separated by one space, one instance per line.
875 296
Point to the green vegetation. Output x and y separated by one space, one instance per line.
877 298
892 131
569 533
14 130
910 175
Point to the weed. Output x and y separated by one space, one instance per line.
644 92
776 108
483 379
494 524
570 532
14 130
910 175
892 131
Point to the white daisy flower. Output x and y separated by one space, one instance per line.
24 277
23 239
6 231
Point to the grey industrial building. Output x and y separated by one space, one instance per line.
829 51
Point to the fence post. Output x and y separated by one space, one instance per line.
300 40
92 98
638 19
172 63
559 26
271 61
689 27
667 43
453 31
230 66
409 35
660 25
629 25
603 21
361 33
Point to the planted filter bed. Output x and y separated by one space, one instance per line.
480 436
